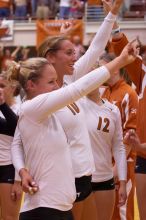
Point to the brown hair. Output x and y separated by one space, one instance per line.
50 45
111 56
108 57
30 69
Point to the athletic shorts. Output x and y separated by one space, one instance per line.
7 174
83 187
42 213
140 166
105 185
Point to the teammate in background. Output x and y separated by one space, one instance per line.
137 74
10 190
106 136
46 164
125 98
129 114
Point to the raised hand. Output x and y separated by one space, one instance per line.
107 6
66 27
130 52
113 7
116 6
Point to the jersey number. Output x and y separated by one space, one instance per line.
74 108
106 122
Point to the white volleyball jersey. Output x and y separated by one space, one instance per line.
5 142
47 156
45 149
105 131
72 118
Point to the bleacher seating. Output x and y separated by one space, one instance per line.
137 10
94 13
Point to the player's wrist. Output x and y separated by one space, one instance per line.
116 31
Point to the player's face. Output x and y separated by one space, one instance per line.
46 83
111 80
63 60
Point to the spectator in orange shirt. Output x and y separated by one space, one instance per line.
137 73
5 8
126 99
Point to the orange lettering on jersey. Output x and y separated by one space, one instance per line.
74 108
106 124
99 123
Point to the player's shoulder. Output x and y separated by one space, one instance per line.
16 108
112 109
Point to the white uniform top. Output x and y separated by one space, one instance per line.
47 154
106 136
72 118
73 121
5 142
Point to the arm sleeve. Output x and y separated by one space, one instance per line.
8 124
17 153
134 69
44 105
119 151
130 111
96 48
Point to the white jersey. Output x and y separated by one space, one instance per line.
47 154
5 142
72 118
106 136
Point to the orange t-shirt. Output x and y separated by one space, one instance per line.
126 99
137 73
5 3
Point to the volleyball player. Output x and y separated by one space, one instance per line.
47 154
106 136
10 190
60 52
136 72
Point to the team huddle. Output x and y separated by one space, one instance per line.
70 142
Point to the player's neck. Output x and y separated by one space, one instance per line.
96 99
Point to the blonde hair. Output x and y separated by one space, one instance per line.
13 83
50 45
30 69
